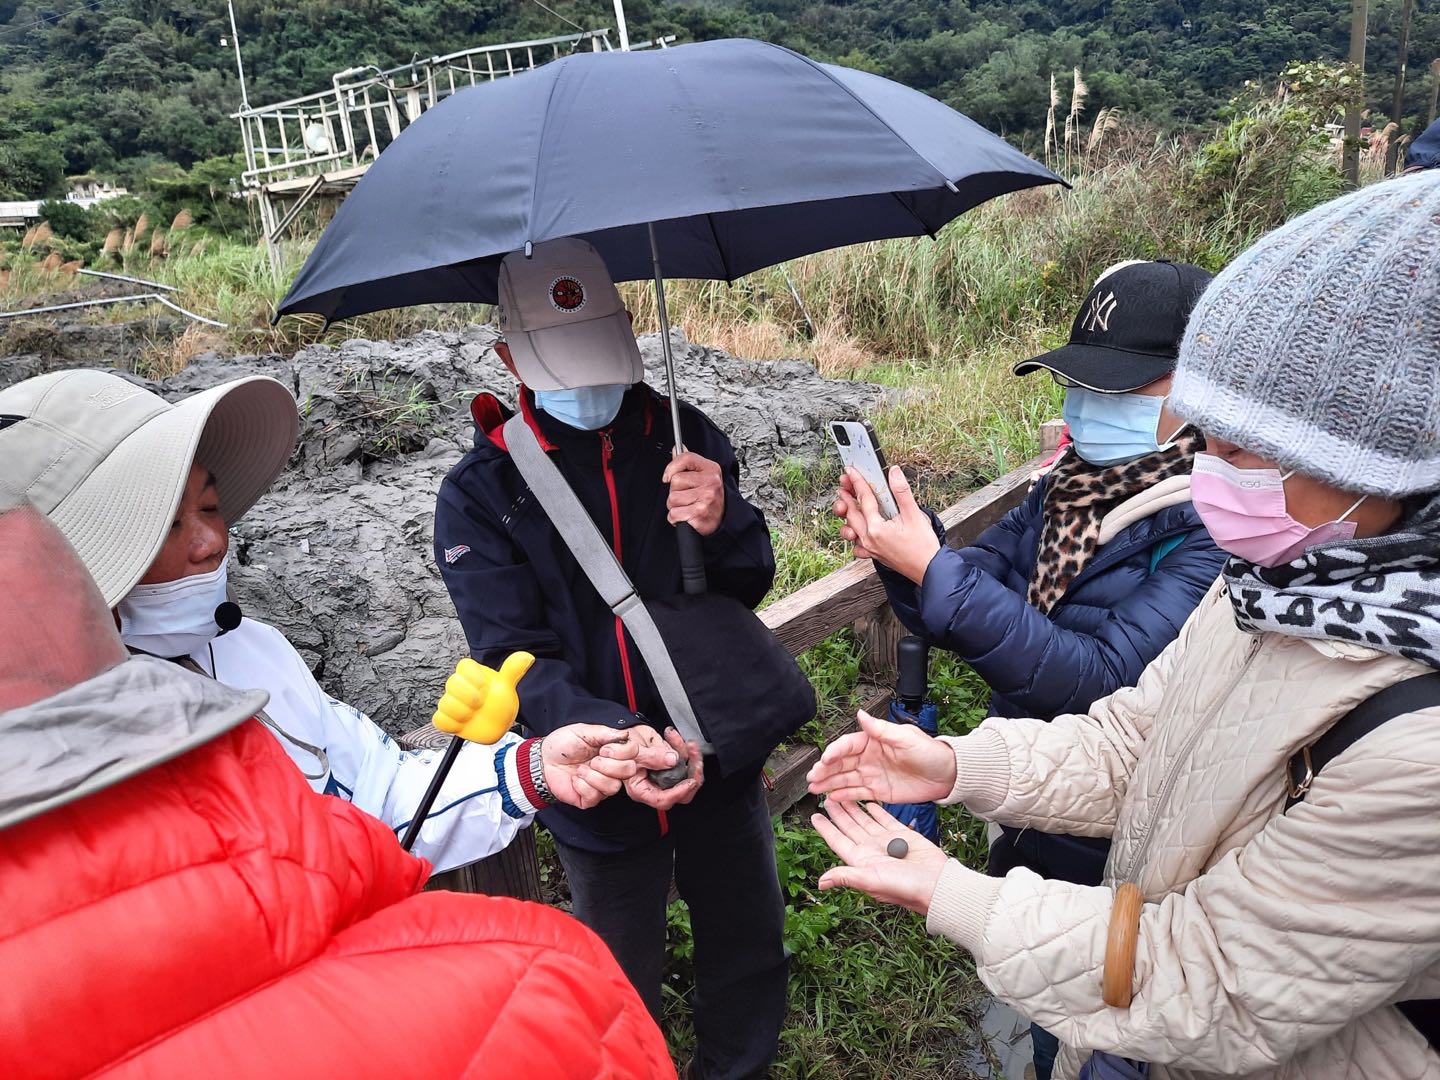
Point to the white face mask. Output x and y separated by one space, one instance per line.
173 618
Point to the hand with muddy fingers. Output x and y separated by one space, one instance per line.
885 762
586 763
862 838
905 543
644 790
697 492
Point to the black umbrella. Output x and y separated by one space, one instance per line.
728 156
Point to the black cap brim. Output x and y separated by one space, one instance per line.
1095 367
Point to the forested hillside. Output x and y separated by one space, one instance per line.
126 87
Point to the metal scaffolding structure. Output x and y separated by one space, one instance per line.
321 144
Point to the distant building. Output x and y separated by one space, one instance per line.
84 191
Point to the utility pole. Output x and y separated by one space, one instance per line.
620 26
1350 155
239 64
1397 106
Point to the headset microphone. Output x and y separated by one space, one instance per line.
227 617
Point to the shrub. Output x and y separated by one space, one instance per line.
69 220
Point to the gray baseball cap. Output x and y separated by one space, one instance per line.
564 320
107 460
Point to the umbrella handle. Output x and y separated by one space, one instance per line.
692 559
912 665
1118 972
692 555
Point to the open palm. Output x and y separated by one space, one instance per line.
884 762
861 838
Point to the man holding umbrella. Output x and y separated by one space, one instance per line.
516 585
708 160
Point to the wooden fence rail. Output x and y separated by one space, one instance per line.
853 594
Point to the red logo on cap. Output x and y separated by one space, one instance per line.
567 294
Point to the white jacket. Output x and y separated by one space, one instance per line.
475 814
1270 945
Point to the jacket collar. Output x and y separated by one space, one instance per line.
122 722
635 420
1172 491
1141 534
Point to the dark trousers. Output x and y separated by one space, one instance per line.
723 859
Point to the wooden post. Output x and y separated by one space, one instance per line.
1397 104
513 871
1051 432
878 634
1350 154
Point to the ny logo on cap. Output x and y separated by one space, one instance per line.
567 294
1098 317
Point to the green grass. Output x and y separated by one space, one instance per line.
872 996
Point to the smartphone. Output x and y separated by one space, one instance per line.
855 439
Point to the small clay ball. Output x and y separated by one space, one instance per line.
897 848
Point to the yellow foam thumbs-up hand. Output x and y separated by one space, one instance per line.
480 704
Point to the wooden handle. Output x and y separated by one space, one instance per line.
1120 945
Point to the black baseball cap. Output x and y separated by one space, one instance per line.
1127 333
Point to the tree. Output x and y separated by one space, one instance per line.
31 165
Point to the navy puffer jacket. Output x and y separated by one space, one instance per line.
1127 604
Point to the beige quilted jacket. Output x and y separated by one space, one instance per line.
1270 946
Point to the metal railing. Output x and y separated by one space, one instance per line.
365 109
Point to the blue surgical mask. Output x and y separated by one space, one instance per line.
1108 429
588 408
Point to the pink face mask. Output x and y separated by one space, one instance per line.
1244 510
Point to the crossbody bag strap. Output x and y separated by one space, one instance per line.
565 511
1399 699
1410 695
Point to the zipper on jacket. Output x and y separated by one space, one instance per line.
607 450
1173 774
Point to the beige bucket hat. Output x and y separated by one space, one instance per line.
106 460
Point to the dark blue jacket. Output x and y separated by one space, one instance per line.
516 586
1115 617
1424 152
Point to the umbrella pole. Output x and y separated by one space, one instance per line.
692 555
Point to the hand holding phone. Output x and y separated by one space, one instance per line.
860 449
892 528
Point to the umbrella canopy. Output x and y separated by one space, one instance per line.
742 154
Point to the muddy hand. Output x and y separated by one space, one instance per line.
644 786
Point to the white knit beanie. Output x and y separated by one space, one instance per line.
1319 347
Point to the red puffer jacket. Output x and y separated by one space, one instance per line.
212 916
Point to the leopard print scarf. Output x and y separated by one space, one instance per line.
1078 495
